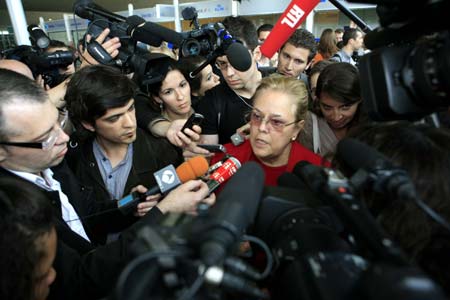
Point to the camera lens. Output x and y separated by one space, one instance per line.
191 48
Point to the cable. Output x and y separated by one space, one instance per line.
432 214
193 289
135 263
266 249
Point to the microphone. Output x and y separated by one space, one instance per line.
227 169
293 16
312 175
234 211
290 180
167 179
151 33
38 36
87 9
358 155
239 57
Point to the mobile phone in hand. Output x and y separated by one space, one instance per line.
213 147
194 119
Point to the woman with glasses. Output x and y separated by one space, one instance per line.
279 108
336 109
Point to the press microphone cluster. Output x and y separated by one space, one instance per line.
167 179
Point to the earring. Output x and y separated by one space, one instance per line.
294 138
161 107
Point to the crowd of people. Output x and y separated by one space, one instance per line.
70 152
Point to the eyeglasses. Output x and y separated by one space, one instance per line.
222 65
50 141
256 118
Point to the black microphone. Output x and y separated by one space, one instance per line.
87 9
151 33
384 176
358 155
38 36
312 175
239 56
290 180
234 211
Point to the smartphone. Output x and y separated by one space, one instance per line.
213 148
194 119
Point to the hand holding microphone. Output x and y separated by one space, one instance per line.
167 179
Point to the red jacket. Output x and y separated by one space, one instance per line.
244 153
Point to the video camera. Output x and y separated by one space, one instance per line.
38 60
318 239
406 76
211 40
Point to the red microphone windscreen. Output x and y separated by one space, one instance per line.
192 169
293 16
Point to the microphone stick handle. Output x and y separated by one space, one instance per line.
152 191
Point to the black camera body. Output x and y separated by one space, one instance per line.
42 63
204 40
406 76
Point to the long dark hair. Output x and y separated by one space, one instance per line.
340 81
25 216
405 145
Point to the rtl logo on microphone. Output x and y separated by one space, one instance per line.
293 16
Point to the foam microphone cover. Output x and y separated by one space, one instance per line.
79 7
358 155
290 20
239 57
192 169
151 33
234 211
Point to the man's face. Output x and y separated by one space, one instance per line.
358 42
32 123
292 60
235 79
117 126
339 36
263 36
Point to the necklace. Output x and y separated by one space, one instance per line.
242 99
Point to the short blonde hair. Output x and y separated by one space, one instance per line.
290 86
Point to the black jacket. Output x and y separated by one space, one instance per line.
149 155
85 271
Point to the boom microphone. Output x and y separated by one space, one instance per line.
151 33
293 16
167 179
87 9
234 211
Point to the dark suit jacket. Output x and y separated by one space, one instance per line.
149 155
85 271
